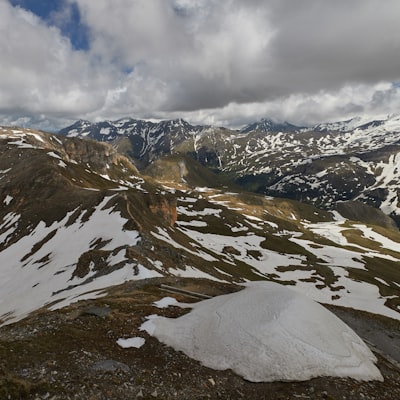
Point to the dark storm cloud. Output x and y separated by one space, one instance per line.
313 45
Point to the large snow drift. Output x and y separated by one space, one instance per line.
267 332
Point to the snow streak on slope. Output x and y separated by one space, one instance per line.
218 235
321 267
387 179
39 269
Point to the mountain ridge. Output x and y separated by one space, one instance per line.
161 225
321 165
88 241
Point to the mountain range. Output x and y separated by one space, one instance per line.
76 211
95 219
330 165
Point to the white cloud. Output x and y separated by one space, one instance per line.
39 71
206 60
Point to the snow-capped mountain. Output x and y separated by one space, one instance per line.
388 123
268 125
142 140
88 243
109 130
77 218
354 160
325 164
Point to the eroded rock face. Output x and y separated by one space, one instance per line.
358 211
97 154
165 208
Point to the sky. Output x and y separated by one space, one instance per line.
226 63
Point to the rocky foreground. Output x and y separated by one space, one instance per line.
73 353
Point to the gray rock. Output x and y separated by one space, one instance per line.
97 311
110 366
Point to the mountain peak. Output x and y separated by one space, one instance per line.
269 125
389 123
175 123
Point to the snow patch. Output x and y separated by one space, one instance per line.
136 342
54 155
33 276
384 242
8 199
266 333
165 302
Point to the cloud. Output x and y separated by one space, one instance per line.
205 60
39 70
327 44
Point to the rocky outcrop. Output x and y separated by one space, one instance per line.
96 154
165 208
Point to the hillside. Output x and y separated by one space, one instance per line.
126 227
74 353
82 227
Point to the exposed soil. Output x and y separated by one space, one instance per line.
72 354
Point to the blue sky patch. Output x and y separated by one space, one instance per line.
59 13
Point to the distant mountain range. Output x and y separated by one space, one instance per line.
326 165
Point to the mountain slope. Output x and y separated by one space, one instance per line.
76 352
77 218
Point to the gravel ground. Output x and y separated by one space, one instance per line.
72 354
381 333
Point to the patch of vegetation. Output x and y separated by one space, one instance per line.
389 233
357 237
36 247
385 270
93 259
13 386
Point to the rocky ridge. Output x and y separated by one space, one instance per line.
355 160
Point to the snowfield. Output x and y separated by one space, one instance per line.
33 275
266 333
336 254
